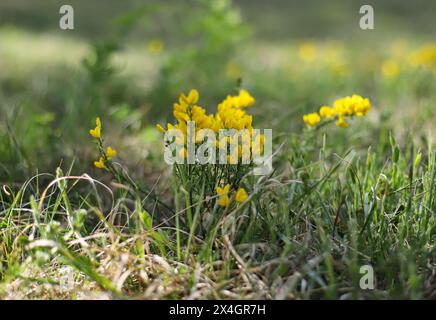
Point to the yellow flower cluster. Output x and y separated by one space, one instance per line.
349 106
110 152
390 68
307 51
231 114
425 57
155 46
224 199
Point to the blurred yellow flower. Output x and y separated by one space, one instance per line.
311 119
352 105
390 68
425 57
110 153
348 106
96 133
241 195
307 51
155 46
224 199
327 112
244 99
100 163
192 97
362 107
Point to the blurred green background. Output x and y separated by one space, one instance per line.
127 61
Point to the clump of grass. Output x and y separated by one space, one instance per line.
304 234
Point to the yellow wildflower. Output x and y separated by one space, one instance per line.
110 153
220 191
425 57
96 133
241 195
307 51
390 69
362 108
181 107
155 46
244 99
344 106
100 163
327 112
354 105
311 119
192 97
181 116
224 199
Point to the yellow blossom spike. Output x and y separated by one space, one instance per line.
100 163
110 153
241 195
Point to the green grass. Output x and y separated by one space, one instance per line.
296 238
338 199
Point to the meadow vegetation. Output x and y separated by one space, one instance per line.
89 208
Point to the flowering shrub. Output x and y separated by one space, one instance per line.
232 122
